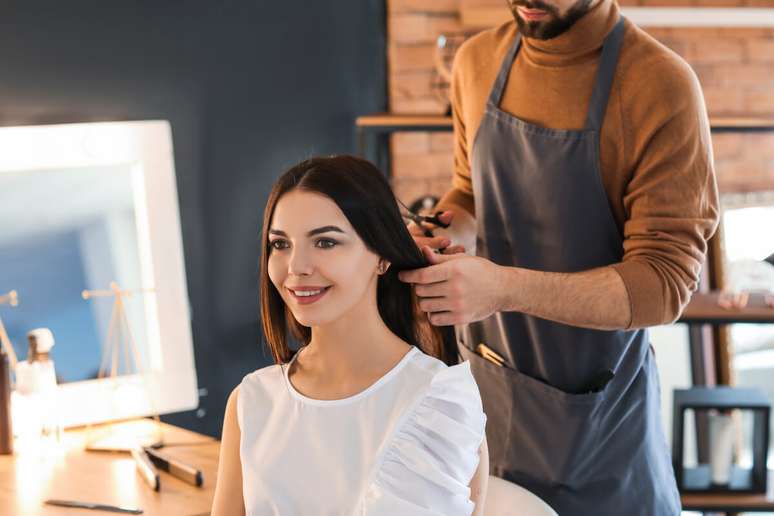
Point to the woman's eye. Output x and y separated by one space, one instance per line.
325 243
278 244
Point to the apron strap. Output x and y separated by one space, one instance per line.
604 80
505 69
605 73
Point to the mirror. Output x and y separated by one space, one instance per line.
83 206
63 231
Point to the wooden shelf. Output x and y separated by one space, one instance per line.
487 16
731 502
386 121
413 122
703 308
742 122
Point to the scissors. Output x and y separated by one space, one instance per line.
421 220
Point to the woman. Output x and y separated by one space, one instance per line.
359 420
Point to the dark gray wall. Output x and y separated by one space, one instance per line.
250 87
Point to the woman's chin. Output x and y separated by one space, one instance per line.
316 316
309 320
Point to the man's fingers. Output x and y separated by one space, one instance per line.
435 304
446 217
431 290
454 249
425 275
435 258
444 319
438 242
414 229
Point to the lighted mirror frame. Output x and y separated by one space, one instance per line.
169 383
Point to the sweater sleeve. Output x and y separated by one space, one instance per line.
671 201
461 192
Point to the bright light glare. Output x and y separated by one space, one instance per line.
749 233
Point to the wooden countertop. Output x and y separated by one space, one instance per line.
111 478
26 480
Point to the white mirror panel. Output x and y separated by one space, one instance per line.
84 206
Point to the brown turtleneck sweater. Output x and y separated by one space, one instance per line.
655 148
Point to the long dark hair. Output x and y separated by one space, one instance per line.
362 193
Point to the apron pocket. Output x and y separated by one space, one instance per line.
538 435
495 386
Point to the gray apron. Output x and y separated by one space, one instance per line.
558 425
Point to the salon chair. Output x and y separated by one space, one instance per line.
503 498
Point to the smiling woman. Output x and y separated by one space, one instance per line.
293 207
343 221
360 416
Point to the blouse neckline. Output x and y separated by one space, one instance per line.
349 399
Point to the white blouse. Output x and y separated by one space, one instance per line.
406 445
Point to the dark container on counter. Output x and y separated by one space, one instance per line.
6 429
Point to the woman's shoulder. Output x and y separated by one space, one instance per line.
433 453
265 381
439 377
451 388
447 388
264 373
258 393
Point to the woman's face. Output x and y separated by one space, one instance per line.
317 262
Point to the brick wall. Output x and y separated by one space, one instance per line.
735 67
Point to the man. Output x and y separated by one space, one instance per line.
584 179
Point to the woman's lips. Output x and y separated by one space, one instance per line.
308 295
531 14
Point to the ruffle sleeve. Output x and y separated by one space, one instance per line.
429 461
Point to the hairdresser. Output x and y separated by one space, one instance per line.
584 186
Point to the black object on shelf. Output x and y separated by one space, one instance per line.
6 429
724 399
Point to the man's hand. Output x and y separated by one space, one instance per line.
456 289
439 241
460 289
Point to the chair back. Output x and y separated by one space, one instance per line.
505 498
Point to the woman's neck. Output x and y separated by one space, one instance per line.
356 344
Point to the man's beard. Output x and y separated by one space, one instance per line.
554 25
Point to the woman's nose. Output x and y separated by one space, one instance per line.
300 264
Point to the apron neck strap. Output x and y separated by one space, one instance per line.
502 77
605 73
604 81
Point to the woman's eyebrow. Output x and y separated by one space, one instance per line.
316 231
325 229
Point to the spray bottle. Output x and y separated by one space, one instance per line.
36 389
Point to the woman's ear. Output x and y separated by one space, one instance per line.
383 266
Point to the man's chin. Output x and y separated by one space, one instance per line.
535 29
543 30
556 25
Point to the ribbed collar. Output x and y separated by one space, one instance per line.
579 43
